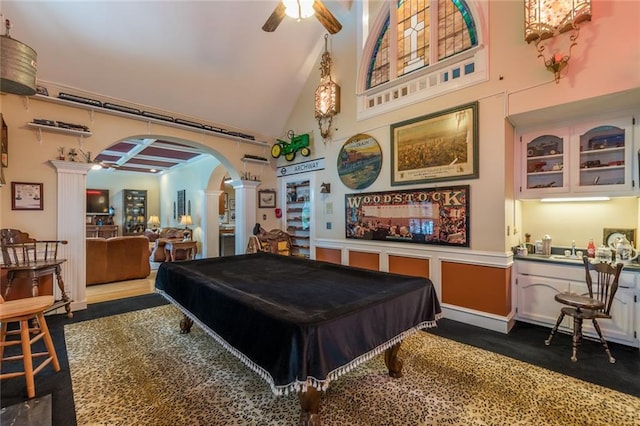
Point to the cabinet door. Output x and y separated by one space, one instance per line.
603 162
544 160
535 299
134 214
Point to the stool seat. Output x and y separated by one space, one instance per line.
23 312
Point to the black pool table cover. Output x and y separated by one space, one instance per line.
298 322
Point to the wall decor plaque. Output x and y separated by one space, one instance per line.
359 161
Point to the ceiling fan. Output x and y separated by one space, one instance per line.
300 9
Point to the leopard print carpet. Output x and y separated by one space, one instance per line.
136 368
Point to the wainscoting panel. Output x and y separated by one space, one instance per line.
365 260
329 255
409 266
482 288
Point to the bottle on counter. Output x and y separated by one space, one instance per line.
591 249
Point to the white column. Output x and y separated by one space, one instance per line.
71 226
210 224
246 211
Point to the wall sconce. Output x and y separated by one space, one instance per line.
327 100
548 18
325 188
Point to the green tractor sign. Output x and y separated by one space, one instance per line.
289 149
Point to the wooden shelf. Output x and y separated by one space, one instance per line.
93 108
56 129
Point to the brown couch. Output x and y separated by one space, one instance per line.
117 259
158 240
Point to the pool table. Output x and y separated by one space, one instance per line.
299 323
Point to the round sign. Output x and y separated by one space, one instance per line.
359 161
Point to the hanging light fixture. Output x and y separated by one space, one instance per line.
545 19
327 100
18 65
298 9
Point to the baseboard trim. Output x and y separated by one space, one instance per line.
501 324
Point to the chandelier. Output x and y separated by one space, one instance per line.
327 99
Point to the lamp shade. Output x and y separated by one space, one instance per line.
546 18
186 220
153 220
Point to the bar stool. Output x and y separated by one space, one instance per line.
23 311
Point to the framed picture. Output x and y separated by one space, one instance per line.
226 201
422 216
4 144
266 199
232 204
609 236
436 147
232 215
26 196
224 218
181 204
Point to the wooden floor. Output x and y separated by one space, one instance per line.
119 290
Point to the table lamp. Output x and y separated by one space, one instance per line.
154 221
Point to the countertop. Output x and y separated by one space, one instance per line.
563 260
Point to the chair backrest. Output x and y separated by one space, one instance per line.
602 281
18 248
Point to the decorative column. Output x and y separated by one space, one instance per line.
71 226
210 224
246 211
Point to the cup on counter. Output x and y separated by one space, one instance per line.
567 253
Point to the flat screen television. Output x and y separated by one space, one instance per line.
97 201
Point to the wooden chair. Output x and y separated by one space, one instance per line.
602 284
275 241
24 311
27 258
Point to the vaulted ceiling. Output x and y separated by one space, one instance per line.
209 60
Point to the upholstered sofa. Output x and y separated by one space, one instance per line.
117 259
157 241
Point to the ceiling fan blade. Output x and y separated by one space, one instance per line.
274 20
326 18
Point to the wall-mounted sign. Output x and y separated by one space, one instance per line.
359 161
307 166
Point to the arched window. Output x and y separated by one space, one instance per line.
415 48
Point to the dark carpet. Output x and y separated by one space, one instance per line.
525 343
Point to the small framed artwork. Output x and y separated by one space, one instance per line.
232 204
436 148
266 199
181 203
232 215
26 196
224 218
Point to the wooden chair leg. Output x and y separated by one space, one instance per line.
49 342
554 329
577 336
612 360
27 359
3 338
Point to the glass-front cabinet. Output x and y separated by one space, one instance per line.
298 216
603 157
593 157
134 211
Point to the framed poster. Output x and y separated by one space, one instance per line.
423 216
436 147
26 196
181 205
266 199
359 161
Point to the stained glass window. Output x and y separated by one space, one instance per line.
454 30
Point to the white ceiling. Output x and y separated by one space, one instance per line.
205 59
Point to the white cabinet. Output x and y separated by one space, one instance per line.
536 284
594 157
